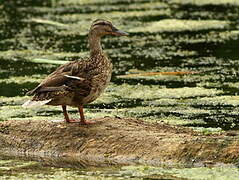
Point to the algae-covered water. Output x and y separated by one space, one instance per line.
179 65
30 170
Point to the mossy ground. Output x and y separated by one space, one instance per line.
165 36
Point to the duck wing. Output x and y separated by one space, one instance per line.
68 78
72 71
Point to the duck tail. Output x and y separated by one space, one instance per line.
31 103
29 93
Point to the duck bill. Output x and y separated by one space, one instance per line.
119 33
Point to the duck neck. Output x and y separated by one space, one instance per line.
95 45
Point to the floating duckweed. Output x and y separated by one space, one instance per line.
15 169
155 92
11 101
34 54
206 2
219 101
174 120
207 131
176 25
22 79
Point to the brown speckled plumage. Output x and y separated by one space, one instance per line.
78 82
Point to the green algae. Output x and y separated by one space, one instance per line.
155 92
219 101
34 56
208 131
206 2
176 25
22 79
188 173
16 169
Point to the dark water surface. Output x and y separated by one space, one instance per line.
196 36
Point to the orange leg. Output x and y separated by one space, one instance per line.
67 119
82 117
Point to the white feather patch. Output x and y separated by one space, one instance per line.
30 103
74 77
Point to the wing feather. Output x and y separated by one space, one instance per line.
70 77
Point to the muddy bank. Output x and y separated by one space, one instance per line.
114 141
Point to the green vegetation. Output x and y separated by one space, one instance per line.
17 169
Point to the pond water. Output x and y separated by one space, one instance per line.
190 45
31 170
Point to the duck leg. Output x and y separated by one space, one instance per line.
67 119
82 117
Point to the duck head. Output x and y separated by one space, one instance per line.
102 27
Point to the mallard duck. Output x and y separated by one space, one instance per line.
78 82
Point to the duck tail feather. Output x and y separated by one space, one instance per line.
29 93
